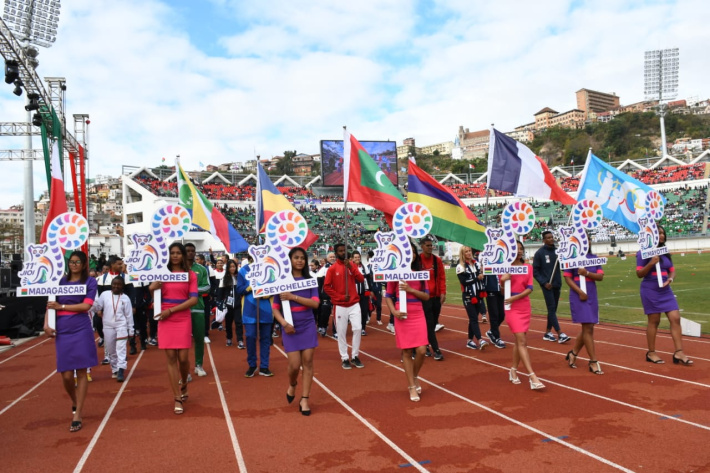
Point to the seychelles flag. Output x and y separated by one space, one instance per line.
269 201
207 216
513 168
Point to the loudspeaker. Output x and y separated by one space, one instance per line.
16 257
613 241
15 267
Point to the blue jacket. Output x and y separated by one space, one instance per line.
249 303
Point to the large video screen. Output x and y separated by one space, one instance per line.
384 153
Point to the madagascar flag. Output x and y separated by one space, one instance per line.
269 201
365 182
453 220
207 216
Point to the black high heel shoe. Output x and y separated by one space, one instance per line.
301 409
648 358
599 367
570 354
290 398
686 362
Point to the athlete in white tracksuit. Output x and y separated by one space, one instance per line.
114 307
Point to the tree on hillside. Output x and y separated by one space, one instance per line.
285 165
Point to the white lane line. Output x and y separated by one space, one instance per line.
414 463
606 363
24 351
228 418
96 436
599 396
510 419
25 395
601 326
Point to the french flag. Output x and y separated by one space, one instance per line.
513 168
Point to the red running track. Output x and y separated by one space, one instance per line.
637 417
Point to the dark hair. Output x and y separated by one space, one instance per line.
191 245
355 252
337 245
113 259
416 261
230 280
84 265
545 233
370 254
664 243
316 263
305 272
121 280
182 249
520 245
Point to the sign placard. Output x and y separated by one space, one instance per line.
44 263
392 260
149 260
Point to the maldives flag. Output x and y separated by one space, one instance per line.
57 197
365 182
514 168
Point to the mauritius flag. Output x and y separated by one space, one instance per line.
365 182
453 220
207 216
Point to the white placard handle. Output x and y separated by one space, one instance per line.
403 302
157 304
51 313
286 306
583 283
506 293
659 275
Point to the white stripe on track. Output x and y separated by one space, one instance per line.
599 396
605 363
25 350
230 425
510 419
414 463
95 438
24 395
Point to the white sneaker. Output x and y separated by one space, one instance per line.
207 340
200 371
438 327
390 327
379 322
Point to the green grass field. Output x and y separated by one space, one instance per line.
619 300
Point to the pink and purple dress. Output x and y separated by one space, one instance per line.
410 332
518 317
175 331
75 345
304 322
656 300
584 312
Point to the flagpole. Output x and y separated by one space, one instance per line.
491 146
346 164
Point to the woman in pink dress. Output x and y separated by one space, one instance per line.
411 335
175 323
518 317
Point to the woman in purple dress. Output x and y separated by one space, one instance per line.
585 311
657 300
75 345
301 338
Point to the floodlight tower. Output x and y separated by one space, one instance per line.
661 83
34 23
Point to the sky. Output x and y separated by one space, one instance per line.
218 81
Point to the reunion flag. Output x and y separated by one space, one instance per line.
620 196
453 220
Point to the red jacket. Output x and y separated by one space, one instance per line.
334 284
436 286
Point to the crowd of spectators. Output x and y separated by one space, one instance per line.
675 173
